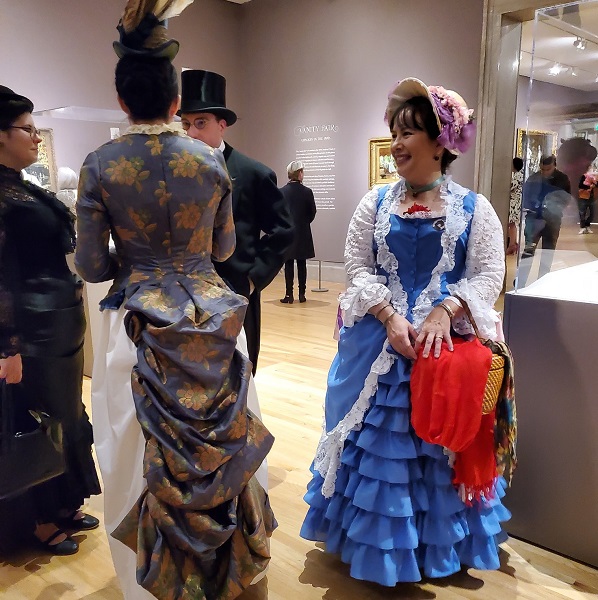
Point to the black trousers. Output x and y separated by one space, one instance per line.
586 212
252 324
547 231
289 275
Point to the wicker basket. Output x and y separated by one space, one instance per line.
497 367
493 384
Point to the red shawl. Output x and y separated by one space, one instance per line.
446 409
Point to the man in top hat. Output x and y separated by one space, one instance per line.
263 223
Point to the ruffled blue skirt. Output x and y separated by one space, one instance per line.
395 513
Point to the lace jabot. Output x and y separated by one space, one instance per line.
147 129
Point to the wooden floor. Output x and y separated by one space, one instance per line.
297 349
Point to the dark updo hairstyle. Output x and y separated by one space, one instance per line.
12 106
148 86
417 113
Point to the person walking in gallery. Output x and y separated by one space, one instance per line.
42 325
575 158
546 194
303 212
515 206
263 225
586 202
541 224
382 498
201 525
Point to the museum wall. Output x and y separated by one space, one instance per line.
289 65
60 53
333 62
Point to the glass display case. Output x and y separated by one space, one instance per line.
551 317
557 140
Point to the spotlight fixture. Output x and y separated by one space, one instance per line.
580 43
574 72
555 69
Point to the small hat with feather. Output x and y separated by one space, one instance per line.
143 28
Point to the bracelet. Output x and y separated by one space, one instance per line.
394 312
447 309
380 310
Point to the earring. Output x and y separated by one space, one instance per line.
437 158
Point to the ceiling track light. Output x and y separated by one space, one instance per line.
574 72
579 43
555 69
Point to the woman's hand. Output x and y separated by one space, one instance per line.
11 369
400 334
435 329
512 248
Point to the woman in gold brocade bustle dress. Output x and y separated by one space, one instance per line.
201 528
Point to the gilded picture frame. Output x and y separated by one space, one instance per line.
532 144
45 167
382 165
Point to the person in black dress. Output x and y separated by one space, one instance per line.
42 325
303 212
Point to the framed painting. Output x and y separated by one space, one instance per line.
382 165
532 145
44 170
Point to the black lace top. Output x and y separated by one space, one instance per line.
36 232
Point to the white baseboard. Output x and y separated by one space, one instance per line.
331 271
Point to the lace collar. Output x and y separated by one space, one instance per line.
400 190
147 129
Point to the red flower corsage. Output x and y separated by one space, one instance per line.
416 208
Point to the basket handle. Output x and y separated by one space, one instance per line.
469 316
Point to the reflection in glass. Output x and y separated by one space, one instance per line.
557 138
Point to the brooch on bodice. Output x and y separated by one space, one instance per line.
417 208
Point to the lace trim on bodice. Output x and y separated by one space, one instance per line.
147 129
457 219
386 259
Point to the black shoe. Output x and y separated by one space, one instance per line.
64 548
87 523
288 299
302 298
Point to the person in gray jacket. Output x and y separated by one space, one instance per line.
303 211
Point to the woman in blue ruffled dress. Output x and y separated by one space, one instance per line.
381 497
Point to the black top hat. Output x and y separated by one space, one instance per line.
204 91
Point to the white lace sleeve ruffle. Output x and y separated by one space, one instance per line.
484 272
364 288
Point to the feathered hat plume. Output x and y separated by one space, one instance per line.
143 28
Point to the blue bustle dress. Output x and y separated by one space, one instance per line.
381 497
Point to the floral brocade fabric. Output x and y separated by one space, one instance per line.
201 528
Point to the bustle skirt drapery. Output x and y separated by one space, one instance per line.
201 527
